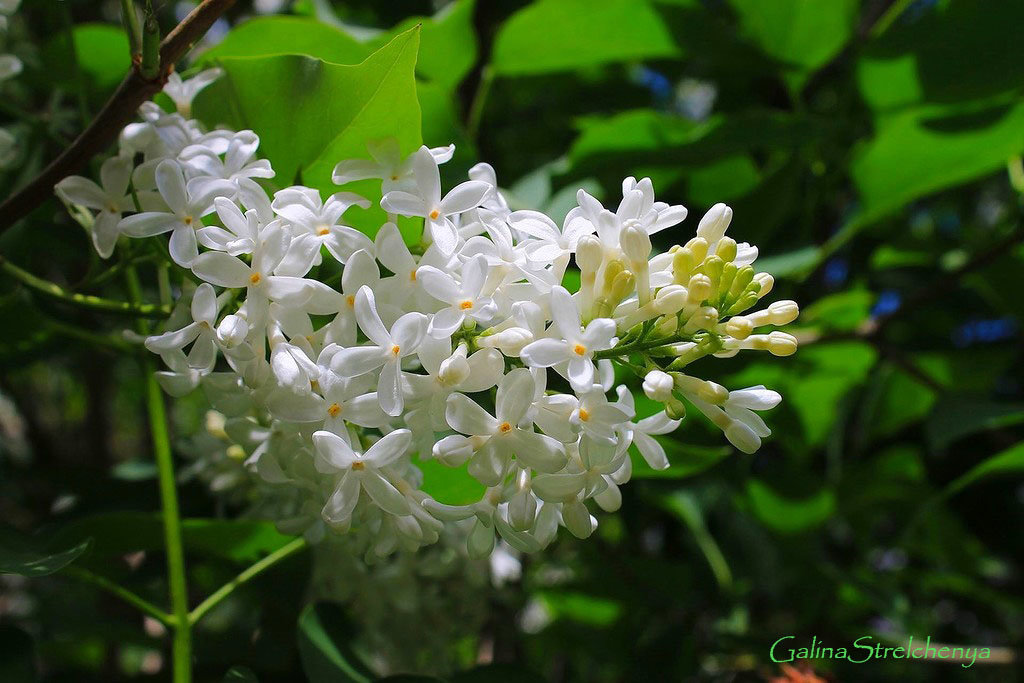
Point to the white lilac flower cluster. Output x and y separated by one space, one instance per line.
441 352
10 66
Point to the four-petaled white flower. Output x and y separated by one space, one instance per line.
464 298
572 346
386 350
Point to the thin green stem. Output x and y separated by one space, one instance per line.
891 15
121 592
249 574
55 291
131 26
640 345
476 107
181 646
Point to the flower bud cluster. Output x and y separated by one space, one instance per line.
467 350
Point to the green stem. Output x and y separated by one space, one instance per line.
181 646
131 26
891 15
476 107
132 599
640 345
55 291
252 572
150 67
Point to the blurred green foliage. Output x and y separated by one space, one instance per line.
870 149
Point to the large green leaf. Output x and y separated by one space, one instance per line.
281 35
449 485
325 645
802 34
558 35
241 541
958 415
938 59
102 58
447 43
35 557
788 515
920 151
310 114
1010 461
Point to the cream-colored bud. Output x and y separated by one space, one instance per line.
742 437
728 275
589 253
670 299
698 246
713 393
636 244
611 271
783 312
622 285
726 249
704 318
699 288
744 276
781 344
667 326
739 327
715 222
766 281
675 409
215 424
683 263
658 386
236 452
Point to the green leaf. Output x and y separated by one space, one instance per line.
101 52
115 534
581 607
31 557
497 673
240 674
559 35
1010 461
844 311
17 656
722 180
448 48
788 263
802 34
449 485
281 35
787 515
311 114
325 646
957 415
921 151
685 506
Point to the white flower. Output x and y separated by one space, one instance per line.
10 66
187 208
386 350
572 345
596 417
387 164
183 92
109 200
205 161
361 472
658 385
464 299
316 225
427 202
509 432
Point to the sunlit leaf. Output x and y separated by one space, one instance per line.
1010 461
788 515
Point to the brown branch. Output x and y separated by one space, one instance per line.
116 113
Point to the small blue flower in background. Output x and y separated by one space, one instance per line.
985 331
836 271
888 303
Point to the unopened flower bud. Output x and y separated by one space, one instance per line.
698 289
744 276
712 267
698 246
670 299
742 437
704 318
766 281
675 409
621 286
783 312
453 450
636 244
683 263
232 331
739 327
589 253
781 344
726 249
715 222
577 520
510 342
658 386
522 509
480 543
454 370
728 275
215 424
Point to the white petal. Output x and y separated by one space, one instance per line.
544 353
466 416
220 269
384 494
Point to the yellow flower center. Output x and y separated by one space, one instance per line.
322 231
350 300
466 305
412 275
584 415
255 278
504 428
394 177
434 214
333 410
358 466
579 349
188 220
395 349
